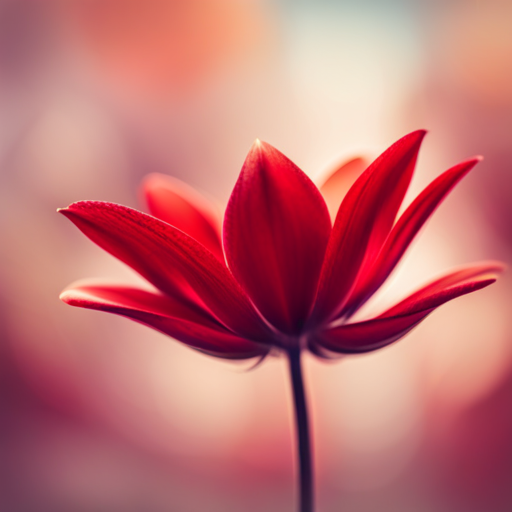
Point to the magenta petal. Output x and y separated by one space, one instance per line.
397 321
403 233
364 220
169 259
178 204
276 230
339 181
165 314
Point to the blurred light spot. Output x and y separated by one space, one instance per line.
206 402
373 407
71 149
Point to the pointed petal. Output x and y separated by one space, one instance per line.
167 258
370 335
448 285
364 220
276 230
338 183
397 321
165 314
178 204
403 233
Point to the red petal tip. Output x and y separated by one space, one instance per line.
63 211
68 210
261 147
257 146
497 267
414 139
62 296
419 135
473 160
492 267
69 296
79 206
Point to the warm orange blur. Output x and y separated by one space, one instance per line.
98 413
171 47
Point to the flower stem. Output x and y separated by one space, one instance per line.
302 428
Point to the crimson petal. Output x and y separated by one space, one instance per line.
428 295
165 314
178 204
167 258
403 233
338 183
364 220
276 230
404 316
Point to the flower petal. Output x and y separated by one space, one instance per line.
165 314
403 233
338 183
364 220
448 285
401 318
178 204
169 259
276 230
369 335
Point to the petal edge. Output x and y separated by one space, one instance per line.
164 314
276 230
178 204
363 222
169 259
397 321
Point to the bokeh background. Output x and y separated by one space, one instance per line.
100 414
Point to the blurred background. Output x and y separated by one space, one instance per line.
100 414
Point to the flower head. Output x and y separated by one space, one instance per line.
281 274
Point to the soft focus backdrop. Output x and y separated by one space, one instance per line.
100 414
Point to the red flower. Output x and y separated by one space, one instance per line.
280 275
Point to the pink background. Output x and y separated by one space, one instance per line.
100 414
